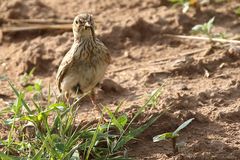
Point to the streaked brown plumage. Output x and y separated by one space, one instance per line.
86 62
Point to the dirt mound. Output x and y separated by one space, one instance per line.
43 54
17 9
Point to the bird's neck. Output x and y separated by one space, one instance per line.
79 39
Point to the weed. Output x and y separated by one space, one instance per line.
172 135
205 28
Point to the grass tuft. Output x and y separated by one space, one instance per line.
50 131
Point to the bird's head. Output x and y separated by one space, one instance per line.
83 26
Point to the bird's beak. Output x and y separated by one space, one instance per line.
87 25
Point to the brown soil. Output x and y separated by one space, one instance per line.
204 85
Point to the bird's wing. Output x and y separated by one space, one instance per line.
64 66
106 52
108 57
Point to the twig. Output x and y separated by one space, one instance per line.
158 61
202 38
123 69
163 60
37 27
193 52
39 21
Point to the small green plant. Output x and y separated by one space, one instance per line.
205 28
36 90
51 132
172 135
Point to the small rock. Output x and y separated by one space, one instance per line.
183 62
206 73
29 130
109 85
184 87
157 77
234 50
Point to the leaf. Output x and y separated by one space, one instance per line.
155 94
122 120
37 156
31 118
37 87
182 126
60 147
18 105
40 116
57 106
29 88
73 153
197 28
18 95
163 136
93 141
210 25
122 142
154 97
9 121
114 120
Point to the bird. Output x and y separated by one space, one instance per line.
85 64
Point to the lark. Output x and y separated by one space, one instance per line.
85 64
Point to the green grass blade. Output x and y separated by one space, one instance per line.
7 157
182 126
18 95
155 95
118 107
122 120
134 133
93 141
70 154
39 154
114 120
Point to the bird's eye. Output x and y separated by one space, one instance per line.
76 22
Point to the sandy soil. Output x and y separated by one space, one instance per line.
199 81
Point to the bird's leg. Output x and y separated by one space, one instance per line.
67 97
93 100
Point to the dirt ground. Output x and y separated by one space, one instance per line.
198 80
